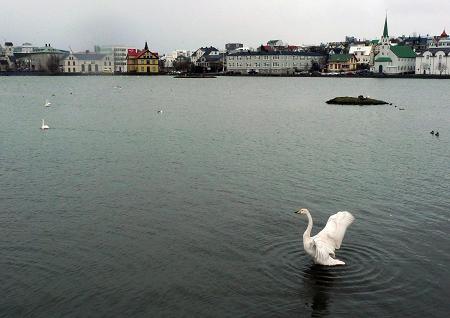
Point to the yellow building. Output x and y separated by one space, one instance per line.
342 63
142 62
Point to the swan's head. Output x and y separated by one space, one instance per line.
302 211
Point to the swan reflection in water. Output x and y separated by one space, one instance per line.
319 281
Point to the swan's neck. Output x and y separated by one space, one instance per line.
307 233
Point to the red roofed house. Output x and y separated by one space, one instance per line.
142 61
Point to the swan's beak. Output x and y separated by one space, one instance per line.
297 212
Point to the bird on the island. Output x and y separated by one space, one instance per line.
321 246
437 134
44 126
432 132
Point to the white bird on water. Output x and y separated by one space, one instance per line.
321 246
44 126
47 103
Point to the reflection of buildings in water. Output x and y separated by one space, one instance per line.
318 282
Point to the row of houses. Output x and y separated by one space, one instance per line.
403 55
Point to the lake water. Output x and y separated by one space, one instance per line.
120 211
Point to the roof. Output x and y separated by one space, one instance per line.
366 50
383 59
434 51
340 57
89 56
444 34
386 31
282 53
403 51
139 55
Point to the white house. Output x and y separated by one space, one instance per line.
274 62
364 53
88 62
392 59
435 60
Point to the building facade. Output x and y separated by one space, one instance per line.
393 59
119 55
264 62
142 62
342 63
436 59
87 63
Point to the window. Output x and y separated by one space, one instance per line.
73 69
82 68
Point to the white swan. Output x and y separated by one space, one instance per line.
47 103
321 247
44 126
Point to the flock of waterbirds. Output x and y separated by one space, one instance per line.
47 103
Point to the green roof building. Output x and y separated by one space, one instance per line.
393 59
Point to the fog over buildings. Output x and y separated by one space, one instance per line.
169 25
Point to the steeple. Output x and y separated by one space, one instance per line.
385 31
146 46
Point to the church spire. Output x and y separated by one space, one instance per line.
386 31
146 46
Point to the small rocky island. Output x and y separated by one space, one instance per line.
360 100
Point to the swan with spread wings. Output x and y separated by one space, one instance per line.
321 246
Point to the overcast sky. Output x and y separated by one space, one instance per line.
184 24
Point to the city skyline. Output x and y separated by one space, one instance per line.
180 25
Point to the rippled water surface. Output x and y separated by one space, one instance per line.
120 211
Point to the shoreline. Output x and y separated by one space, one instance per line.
207 75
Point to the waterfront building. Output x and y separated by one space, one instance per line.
45 58
142 61
88 63
342 63
119 56
435 60
393 59
273 62
208 59
199 53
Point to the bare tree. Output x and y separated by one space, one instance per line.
53 63
442 67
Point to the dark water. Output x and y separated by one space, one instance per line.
120 211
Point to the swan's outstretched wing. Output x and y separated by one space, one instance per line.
322 251
333 233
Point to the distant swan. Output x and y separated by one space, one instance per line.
159 111
47 103
44 126
321 247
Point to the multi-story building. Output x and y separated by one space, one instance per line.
142 62
435 60
274 62
393 59
88 63
119 55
